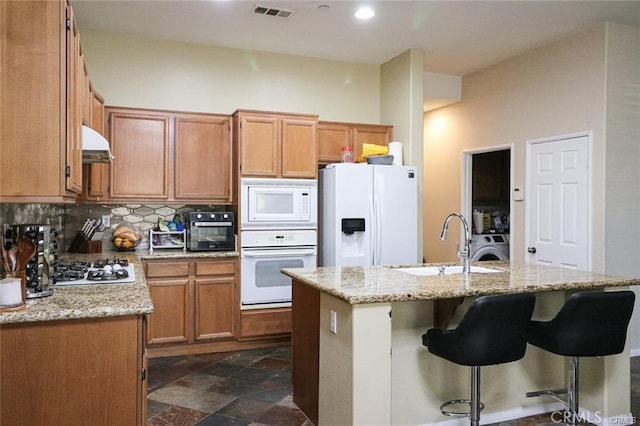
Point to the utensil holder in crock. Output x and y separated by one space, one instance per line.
13 292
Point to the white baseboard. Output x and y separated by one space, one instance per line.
502 416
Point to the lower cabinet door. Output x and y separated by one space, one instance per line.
214 308
169 322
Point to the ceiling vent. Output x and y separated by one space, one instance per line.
271 11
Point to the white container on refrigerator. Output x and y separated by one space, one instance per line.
368 215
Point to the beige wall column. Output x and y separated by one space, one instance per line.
401 101
355 364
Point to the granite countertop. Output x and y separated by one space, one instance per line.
159 254
375 284
102 300
88 301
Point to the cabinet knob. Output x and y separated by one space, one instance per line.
531 250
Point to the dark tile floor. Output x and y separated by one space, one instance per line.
233 388
252 387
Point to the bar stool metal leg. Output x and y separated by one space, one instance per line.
476 405
572 389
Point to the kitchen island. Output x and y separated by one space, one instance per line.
77 356
358 356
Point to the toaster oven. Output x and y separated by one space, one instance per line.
211 231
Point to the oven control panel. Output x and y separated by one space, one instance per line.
279 238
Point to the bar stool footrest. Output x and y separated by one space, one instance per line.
552 393
455 413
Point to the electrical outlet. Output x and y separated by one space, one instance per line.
106 220
333 325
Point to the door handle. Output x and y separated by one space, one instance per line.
531 250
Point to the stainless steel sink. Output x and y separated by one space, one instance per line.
445 270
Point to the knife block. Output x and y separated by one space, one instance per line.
81 244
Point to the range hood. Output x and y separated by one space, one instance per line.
95 148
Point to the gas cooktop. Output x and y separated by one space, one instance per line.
101 271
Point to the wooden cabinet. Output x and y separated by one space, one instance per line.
98 173
491 179
264 323
202 158
89 372
85 94
194 301
74 106
170 155
95 176
40 160
332 136
276 145
140 145
369 133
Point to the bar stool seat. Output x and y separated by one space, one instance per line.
590 323
492 331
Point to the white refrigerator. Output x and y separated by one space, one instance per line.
367 215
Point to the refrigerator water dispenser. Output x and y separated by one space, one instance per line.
351 225
353 238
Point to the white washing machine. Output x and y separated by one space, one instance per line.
489 247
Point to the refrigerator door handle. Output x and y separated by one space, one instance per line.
377 233
372 230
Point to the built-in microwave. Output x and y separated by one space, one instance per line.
278 203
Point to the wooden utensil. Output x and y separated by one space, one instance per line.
13 259
6 262
26 250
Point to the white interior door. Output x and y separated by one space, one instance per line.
558 202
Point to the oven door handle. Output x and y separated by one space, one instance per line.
278 253
212 224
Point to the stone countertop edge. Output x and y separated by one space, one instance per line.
100 300
382 284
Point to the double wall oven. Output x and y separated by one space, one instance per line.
278 230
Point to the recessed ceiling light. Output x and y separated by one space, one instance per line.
364 13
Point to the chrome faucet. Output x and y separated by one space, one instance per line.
466 252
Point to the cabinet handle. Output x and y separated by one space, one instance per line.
531 250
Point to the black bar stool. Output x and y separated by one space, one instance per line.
492 331
590 323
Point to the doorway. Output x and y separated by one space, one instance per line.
487 201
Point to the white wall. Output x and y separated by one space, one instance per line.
401 98
622 199
188 77
553 90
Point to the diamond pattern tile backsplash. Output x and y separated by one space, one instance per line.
70 218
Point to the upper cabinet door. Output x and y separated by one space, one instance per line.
373 134
259 145
331 138
203 158
74 106
140 145
95 176
277 145
299 148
